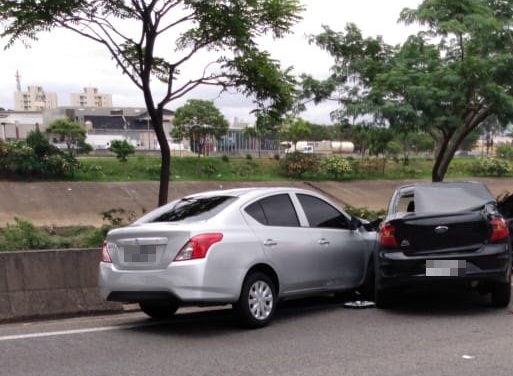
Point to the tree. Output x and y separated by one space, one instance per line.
69 132
135 32
200 121
122 149
297 129
446 80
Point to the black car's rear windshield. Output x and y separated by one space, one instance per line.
193 209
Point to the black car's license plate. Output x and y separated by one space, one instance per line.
446 268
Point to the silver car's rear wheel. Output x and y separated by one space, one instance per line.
257 301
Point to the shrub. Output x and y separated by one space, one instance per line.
247 169
35 158
335 166
95 238
491 167
296 164
23 235
504 151
209 169
118 217
122 149
225 158
365 213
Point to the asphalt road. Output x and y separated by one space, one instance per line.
449 333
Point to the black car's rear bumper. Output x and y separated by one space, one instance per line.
491 263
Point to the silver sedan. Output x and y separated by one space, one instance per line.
247 247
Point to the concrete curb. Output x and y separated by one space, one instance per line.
38 284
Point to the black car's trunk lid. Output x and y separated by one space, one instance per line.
443 233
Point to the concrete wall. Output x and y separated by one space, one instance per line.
36 284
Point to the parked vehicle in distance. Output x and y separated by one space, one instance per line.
443 233
248 247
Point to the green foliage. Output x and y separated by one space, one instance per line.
335 166
122 149
23 235
209 169
448 80
71 133
246 170
35 158
296 164
296 129
365 213
230 28
504 151
118 217
200 121
491 167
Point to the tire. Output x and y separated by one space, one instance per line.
382 298
501 294
160 310
257 301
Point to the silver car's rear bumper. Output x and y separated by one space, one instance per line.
186 281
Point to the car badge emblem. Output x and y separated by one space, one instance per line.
441 229
405 243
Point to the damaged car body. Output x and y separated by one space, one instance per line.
443 233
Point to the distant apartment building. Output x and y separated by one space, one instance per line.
90 98
34 99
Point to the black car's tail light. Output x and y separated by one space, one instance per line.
198 246
499 230
386 236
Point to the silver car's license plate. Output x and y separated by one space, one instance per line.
142 253
446 268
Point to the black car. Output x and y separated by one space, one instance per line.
443 233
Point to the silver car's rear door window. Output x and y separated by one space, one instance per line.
277 210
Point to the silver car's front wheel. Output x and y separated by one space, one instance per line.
257 301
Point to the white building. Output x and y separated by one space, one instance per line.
90 98
34 99
17 124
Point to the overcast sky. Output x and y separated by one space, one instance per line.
65 63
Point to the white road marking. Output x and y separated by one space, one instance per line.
73 331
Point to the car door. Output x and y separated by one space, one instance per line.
287 245
341 251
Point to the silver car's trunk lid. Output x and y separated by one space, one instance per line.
446 233
145 248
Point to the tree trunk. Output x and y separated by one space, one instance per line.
165 154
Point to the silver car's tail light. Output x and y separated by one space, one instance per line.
105 253
198 246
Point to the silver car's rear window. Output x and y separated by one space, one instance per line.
194 209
